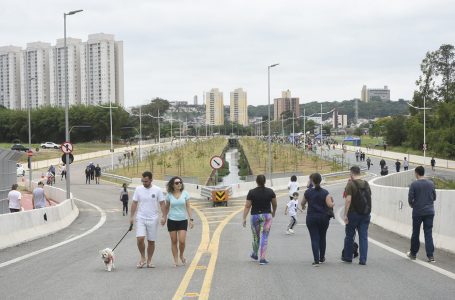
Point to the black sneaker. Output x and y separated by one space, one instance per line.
263 262
315 264
346 260
254 256
322 260
410 255
431 259
362 263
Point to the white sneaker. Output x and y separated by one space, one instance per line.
288 232
291 231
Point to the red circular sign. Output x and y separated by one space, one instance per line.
29 153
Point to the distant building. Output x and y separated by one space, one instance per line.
214 110
178 103
367 94
101 70
239 107
285 103
35 75
10 84
338 120
57 72
195 99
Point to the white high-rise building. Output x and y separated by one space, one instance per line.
101 59
10 85
239 107
57 72
214 109
34 69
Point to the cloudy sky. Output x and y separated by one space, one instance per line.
175 49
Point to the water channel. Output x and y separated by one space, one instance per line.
232 157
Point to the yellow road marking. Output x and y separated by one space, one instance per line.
180 293
201 267
192 295
213 249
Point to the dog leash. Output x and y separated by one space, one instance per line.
129 229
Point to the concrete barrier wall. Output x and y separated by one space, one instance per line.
17 228
390 209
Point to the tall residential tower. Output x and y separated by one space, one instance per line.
10 85
285 104
239 107
214 109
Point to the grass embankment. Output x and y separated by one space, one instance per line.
286 158
45 154
190 160
444 184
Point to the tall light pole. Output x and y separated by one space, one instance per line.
67 135
424 108
269 171
29 106
110 107
159 129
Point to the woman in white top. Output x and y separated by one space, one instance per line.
293 186
14 199
178 212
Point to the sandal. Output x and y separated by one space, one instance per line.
150 265
183 259
140 264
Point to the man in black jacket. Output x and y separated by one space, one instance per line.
421 198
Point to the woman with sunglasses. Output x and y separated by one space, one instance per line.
177 213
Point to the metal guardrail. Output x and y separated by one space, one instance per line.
118 177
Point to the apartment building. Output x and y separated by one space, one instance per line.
10 85
284 104
239 107
367 94
214 109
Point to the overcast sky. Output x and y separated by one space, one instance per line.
176 49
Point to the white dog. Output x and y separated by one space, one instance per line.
108 257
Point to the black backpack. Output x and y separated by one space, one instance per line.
361 199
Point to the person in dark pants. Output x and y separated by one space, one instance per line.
87 175
97 174
421 198
124 197
92 171
382 163
369 163
317 219
433 163
397 165
356 219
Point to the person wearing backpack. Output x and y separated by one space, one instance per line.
357 216
124 198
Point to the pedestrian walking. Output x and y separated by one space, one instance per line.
148 199
397 165
63 172
178 212
356 216
14 199
39 197
291 209
433 163
382 163
52 171
124 197
262 203
405 164
317 218
92 171
421 198
293 187
357 154
97 174
369 163
87 174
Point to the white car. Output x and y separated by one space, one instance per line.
20 170
50 145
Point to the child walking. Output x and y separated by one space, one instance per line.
292 208
124 198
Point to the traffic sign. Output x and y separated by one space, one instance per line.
67 147
64 158
29 153
424 147
216 162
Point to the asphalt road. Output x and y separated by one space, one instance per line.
218 248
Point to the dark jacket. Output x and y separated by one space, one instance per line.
421 197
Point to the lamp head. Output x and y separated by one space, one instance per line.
74 12
274 65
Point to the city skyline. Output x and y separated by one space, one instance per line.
326 50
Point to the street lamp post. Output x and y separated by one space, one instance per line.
424 108
269 171
159 129
67 135
29 106
110 107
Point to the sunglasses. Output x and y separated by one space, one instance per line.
177 182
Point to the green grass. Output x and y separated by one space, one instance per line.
45 154
444 184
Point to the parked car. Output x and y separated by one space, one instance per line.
50 145
19 147
20 170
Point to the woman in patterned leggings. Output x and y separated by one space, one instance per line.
262 202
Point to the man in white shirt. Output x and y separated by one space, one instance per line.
147 200
14 199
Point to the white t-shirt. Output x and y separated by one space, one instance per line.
148 202
293 187
14 198
292 207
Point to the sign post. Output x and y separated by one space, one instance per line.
216 162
